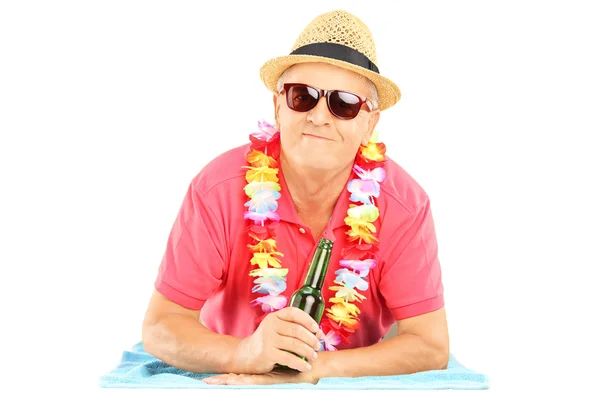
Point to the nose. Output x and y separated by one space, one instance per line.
320 114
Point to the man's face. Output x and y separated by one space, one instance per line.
317 138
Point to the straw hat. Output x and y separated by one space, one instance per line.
338 38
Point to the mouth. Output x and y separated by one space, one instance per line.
316 137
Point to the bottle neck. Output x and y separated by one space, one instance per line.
318 267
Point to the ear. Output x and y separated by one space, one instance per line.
373 120
276 107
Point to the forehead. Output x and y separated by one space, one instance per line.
326 76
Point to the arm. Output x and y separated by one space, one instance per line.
191 270
175 335
411 284
421 344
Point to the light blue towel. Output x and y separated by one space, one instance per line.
138 369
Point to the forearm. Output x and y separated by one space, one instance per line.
402 354
183 342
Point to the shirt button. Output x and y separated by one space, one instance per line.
302 230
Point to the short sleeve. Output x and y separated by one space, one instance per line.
193 265
411 278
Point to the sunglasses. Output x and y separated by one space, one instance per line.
343 105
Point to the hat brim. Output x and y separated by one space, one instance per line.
388 91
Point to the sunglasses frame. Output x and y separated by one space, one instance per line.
327 94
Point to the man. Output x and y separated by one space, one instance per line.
252 217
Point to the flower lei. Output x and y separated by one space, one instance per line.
358 258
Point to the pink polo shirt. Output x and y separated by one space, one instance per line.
206 262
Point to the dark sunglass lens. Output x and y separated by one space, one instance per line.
302 98
344 105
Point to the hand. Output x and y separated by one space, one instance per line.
281 333
276 376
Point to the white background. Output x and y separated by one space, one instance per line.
109 108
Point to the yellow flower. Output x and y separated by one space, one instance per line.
261 174
348 294
373 151
367 212
360 220
254 187
260 159
269 272
357 224
351 309
341 315
265 259
264 246
363 235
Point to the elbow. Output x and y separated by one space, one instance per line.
149 337
441 359
433 356
429 356
440 356
432 359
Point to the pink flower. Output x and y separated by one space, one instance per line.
263 201
331 340
270 303
377 174
360 267
272 285
350 279
364 189
267 131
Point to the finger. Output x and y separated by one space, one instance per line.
296 315
320 334
244 379
292 361
216 379
295 345
248 380
292 330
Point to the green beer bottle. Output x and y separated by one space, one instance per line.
308 298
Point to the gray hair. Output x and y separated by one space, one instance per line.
374 97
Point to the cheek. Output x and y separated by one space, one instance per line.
290 130
354 135
287 117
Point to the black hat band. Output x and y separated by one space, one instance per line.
337 51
